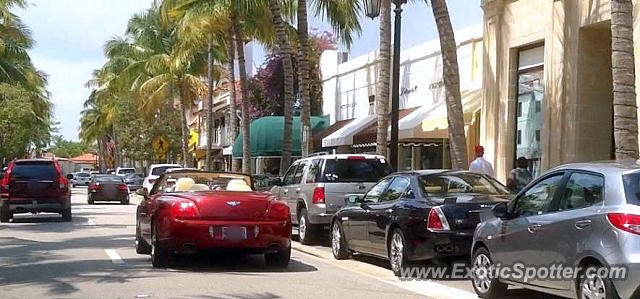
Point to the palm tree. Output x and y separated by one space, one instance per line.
284 51
625 117
451 80
384 77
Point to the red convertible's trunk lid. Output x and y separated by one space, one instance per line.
230 205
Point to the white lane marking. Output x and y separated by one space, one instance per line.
91 222
114 256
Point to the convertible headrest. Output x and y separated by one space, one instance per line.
238 185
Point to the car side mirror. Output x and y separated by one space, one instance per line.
500 210
279 181
143 192
69 176
353 199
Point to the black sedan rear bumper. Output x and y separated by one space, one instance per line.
441 245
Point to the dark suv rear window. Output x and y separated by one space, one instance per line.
356 170
40 170
632 188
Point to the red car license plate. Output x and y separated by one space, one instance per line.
234 233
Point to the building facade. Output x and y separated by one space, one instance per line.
349 88
547 82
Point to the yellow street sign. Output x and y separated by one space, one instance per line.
160 145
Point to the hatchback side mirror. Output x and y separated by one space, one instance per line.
143 192
69 176
500 210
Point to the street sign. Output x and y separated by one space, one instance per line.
160 145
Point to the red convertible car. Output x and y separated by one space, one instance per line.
191 211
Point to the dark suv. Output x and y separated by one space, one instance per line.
315 187
34 186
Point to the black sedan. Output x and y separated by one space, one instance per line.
107 188
134 181
415 216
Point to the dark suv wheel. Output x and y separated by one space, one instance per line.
5 213
66 214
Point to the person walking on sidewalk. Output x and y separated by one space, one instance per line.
480 165
519 177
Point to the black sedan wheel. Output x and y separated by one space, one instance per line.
397 250
66 214
5 213
159 255
482 282
338 243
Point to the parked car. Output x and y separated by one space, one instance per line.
315 187
155 170
34 186
108 188
205 211
577 215
122 171
415 216
80 179
134 181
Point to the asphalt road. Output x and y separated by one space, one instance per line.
94 257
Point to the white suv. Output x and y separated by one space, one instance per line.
122 171
155 170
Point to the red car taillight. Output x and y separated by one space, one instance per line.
62 181
436 220
318 195
95 186
123 187
626 222
184 210
278 211
4 183
152 181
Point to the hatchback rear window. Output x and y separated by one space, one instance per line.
83 175
109 179
346 170
632 188
127 171
41 170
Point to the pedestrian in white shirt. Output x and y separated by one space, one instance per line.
480 165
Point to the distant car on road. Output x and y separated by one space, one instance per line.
155 170
80 179
415 216
580 216
315 187
108 188
34 186
209 211
134 181
122 171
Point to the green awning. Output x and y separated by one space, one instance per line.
267 135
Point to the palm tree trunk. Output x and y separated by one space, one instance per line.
451 79
246 146
101 164
210 106
284 49
231 76
303 79
185 131
625 117
382 86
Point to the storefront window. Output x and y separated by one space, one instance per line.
431 156
529 119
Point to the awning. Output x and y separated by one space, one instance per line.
267 134
317 138
431 122
369 134
344 136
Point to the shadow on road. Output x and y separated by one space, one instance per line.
230 263
266 295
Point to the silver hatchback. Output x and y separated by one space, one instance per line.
574 232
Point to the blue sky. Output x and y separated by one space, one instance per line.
70 35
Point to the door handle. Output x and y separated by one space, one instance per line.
582 224
285 191
298 190
534 228
389 211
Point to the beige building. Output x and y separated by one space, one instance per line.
547 83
